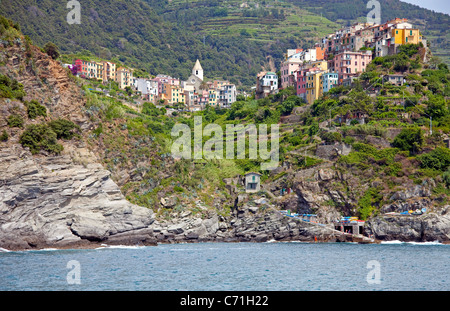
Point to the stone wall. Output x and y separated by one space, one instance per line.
330 152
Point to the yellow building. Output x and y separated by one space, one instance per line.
91 70
174 94
109 71
321 64
124 77
406 36
314 87
212 97
100 71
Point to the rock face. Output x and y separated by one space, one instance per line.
52 202
247 223
428 227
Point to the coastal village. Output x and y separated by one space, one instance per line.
338 59
99 161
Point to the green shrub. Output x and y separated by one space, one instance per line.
368 202
178 189
15 120
151 110
295 141
64 129
10 88
39 137
35 109
438 159
409 139
288 105
314 129
331 137
4 136
446 178
52 50
349 140
98 130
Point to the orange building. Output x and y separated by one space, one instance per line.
320 53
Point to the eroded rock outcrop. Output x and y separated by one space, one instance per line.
433 226
53 202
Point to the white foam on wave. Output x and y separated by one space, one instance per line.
412 243
392 242
105 246
426 243
4 250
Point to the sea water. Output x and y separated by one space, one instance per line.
231 267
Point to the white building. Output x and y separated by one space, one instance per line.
252 182
329 80
266 84
227 95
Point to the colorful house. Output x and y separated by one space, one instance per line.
252 182
314 87
406 36
288 68
329 80
212 97
124 77
348 64
174 94
266 84
303 83
100 71
227 95
109 71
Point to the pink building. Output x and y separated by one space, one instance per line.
301 79
163 79
349 64
288 69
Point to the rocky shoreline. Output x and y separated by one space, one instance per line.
53 202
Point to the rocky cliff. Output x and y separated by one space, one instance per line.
65 200
53 202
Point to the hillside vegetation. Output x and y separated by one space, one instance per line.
392 152
167 37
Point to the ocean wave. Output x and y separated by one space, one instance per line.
4 250
426 243
105 246
392 242
413 243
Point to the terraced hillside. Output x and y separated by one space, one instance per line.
233 42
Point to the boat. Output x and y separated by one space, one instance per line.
417 212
